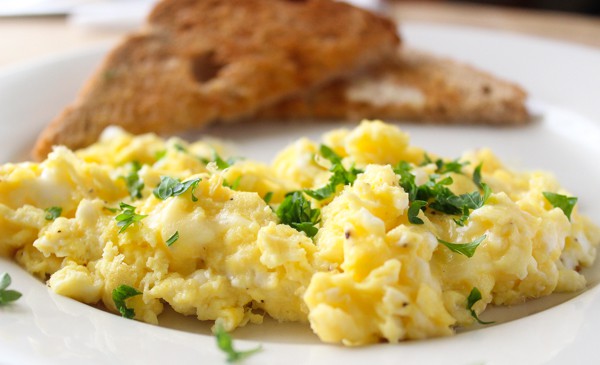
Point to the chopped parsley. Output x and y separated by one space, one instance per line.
467 249
225 344
170 187
473 298
134 183
7 295
340 176
268 196
112 210
159 155
122 293
173 238
52 213
127 217
219 161
179 147
477 175
445 167
563 202
295 210
407 180
413 211
234 185
436 194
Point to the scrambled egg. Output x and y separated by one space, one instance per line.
218 250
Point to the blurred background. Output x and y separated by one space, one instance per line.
591 7
32 28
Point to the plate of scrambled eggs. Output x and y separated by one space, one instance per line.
307 243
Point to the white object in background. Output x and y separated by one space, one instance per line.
38 7
130 15
373 5
111 15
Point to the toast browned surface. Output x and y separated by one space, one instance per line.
412 86
198 61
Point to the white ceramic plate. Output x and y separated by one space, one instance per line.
564 81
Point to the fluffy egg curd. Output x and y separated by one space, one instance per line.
364 236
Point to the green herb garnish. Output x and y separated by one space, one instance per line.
179 147
225 344
122 293
219 161
444 167
340 176
234 185
467 249
438 196
472 201
173 238
170 187
134 183
159 155
413 211
477 175
7 295
295 210
563 202
52 213
127 217
407 180
473 298
268 196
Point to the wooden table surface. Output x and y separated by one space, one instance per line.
23 39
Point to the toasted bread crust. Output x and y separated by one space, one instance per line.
198 61
412 86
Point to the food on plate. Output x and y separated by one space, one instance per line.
199 61
7 295
413 85
364 236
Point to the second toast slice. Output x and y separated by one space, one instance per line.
412 86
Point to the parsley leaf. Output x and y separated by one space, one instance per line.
340 175
268 196
169 187
7 295
477 175
472 201
565 203
413 211
173 238
437 195
467 249
134 183
179 147
445 167
119 295
127 217
159 155
473 298
112 210
295 210
221 163
225 344
407 180
234 185
52 213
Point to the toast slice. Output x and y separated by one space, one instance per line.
412 86
198 61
